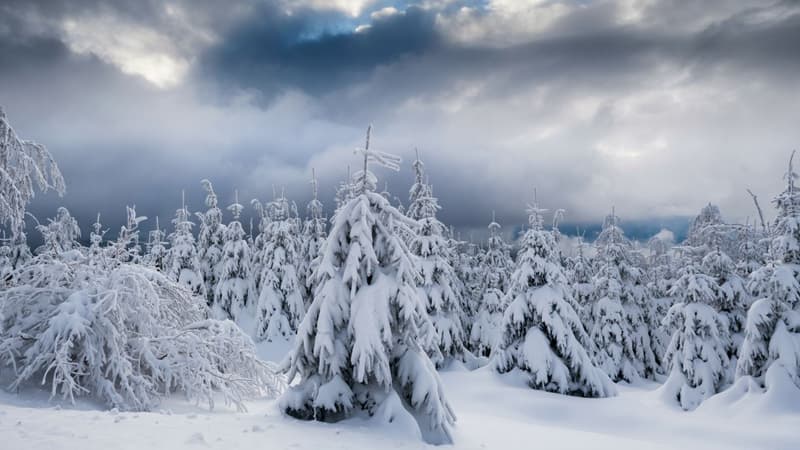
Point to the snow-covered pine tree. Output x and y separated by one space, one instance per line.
6 267
361 343
232 292
610 330
20 252
156 256
182 263
96 252
257 248
580 276
770 352
619 283
709 216
495 267
60 234
344 192
753 248
696 357
541 331
732 300
438 285
24 167
280 305
311 241
126 248
466 264
210 240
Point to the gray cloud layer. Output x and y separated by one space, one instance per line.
656 107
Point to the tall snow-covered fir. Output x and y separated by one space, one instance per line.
232 293
494 270
210 241
362 342
623 311
183 265
311 241
542 333
438 284
770 352
280 306
697 357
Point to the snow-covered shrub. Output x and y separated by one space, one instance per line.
127 336
362 340
541 332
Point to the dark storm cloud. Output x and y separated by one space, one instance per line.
272 53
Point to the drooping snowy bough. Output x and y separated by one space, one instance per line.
361 346
541 332
126 335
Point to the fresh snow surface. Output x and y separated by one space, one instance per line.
494 412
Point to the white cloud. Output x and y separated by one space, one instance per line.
502 23
353 8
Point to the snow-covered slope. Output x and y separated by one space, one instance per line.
494 412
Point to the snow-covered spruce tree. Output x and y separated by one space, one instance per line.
97 253
770 352
257 247
6 267
124 334
20 252
696 357
360 346
709 216
732 300
580 275
495 267
156 255
126 248
210 240
753 248
311 241
280 305
232 293
182 263
610 330
619 279
438 285
24 167
344 192
541 331
60 234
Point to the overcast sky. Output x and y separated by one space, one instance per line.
656 107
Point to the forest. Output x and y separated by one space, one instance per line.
376 300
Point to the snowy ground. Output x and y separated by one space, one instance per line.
494 412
